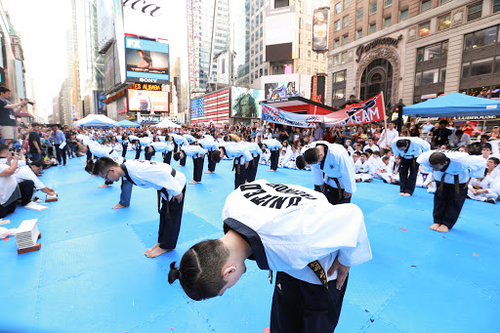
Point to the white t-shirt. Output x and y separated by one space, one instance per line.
7 185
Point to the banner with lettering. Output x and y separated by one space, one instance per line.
365 112
277 116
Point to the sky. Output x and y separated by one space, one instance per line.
43 24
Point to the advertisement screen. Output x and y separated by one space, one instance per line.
147 61
280 90
320 28
146 18
213 108
146 101
245 102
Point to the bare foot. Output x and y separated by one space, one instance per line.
271 170
157 252
435 226
442 228
118 206
181 165
193 182
103 186
152 248
406 195
208 172
402 194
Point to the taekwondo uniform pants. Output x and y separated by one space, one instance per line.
302 307
335 196
167 157
275 155
198 168
124 149
240 172
448 203
252 168
211 164
407 181
170 221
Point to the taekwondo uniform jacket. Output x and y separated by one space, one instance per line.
150 174
289 226
194 151
272 144
463 165
253 148
417 147
209 143
365 168
336 164
179 139
190 139
237 150
99 151
162 146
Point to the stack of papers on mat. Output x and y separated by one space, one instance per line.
51 198
35 206
27 234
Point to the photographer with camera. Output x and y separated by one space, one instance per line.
8 123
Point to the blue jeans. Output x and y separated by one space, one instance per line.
126 192
36 157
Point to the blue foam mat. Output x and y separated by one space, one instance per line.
91 274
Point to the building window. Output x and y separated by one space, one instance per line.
442 2
474 11
359 33
338 8
480 38
281 3
430 76
403 14
345 57
308 55
478 67
496 6
424 29
347 3
418 79
339 93
346 21
345 39
497 64
339 76
444 22
442 75
387 3
432 52
372 28
336 43
426 5
360 13
336 60
337 25
373 7
387 21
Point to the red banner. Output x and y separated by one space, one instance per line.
365 112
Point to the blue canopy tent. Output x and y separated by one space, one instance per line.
126 123
96 123
454 105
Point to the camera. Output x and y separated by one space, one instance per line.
29 102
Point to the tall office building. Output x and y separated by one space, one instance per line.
206 39
412 50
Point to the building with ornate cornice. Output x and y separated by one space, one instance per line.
412 50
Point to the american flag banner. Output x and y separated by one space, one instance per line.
212 108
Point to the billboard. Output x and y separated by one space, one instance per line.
245 102
320 30
147 101
280 34
318 83
147 61
146 18
280 90
99 102
212 108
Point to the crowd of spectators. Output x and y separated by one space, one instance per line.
369 145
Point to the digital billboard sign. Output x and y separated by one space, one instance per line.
147 61
212 108
320 28
147 101
280 90
245 102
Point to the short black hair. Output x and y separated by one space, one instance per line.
300 162
402 143
437 158
4 89
311 156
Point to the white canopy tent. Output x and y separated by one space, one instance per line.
167 123
95 119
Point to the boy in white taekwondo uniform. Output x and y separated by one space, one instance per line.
408 148
99 151
332 170
179 141
209 143
274 146
363 169
26 173
171 187
255 150
452 171
198 155
149 151
241 156
294 231
165 148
